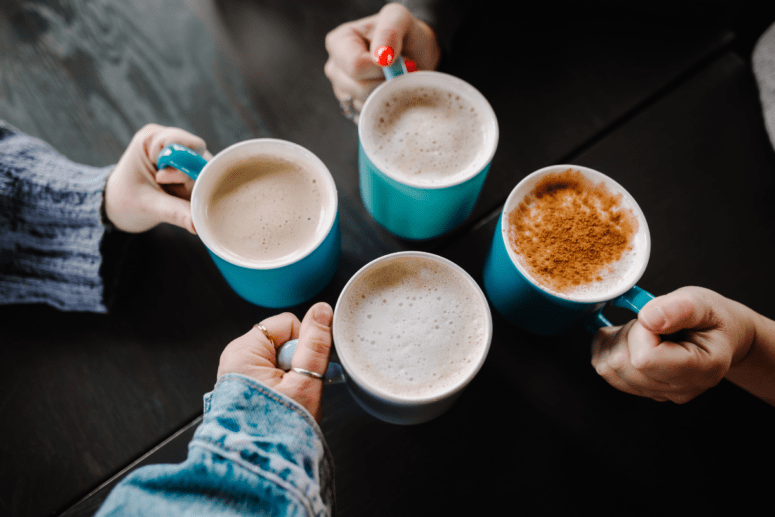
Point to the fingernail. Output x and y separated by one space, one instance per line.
411 66
323 314
652 317
384 55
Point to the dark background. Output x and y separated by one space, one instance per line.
658 95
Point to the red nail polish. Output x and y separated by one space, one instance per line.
411 66
384 55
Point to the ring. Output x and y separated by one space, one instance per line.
307 373
266 333
348 108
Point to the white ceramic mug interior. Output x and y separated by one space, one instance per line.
244 152
436 80
381 394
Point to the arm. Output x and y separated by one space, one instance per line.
259 450
686 342
51 226
57 216
755 372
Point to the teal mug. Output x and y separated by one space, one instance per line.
425 183
516 294
304 253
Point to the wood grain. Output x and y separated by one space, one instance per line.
84 396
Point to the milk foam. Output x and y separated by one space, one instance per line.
427 135
412 327
266 209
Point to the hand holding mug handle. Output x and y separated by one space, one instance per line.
634 299
334 374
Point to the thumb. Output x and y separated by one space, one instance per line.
683 309
171 209
314 346
393 23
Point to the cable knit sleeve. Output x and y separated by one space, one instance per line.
50 226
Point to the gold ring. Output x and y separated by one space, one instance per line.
266 332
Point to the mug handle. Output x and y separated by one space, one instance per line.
182 158
397 67
634 299
334 374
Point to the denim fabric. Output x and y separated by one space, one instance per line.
256 452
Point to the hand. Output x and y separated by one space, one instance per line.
681 344
352 67
255 356
138 196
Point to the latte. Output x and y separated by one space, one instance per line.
427 135
412 327
267 209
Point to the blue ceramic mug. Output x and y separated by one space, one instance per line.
517 296
410 206
282 281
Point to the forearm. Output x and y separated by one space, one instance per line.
51 226
256 453
755 372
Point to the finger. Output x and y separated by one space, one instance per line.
175 182
314 348
254 353
160 138
280 328
679 310
168 209
393 23
611 359
348 50
663 361
345 86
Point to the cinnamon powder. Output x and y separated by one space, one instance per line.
568 231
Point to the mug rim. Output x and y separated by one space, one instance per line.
596 176
199 205
389 397
475 96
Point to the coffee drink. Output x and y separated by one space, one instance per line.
575 237
427 135
267 209
412 327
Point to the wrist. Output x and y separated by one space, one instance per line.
751 327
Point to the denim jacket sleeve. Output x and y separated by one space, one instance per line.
257 452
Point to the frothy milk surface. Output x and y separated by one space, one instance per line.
412 327
427 135
266 209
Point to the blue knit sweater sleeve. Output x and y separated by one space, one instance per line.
50 226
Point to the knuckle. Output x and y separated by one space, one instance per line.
617 360
318 344
642 361
603 369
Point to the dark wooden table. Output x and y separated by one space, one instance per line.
661 98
